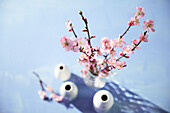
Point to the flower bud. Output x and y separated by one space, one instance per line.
80 13
84 30
122 53
70 30
85 19
86 39
125 65
127 56
93 36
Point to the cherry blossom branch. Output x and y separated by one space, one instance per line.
41 82
81 50
87 29
125 31
133 49
42 93
90 57
139 42
70 27
136 46
74 33
121 57
89 39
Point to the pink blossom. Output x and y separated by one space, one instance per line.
120 64
106 48
84 72
87 65
87 49
131 22
56 97
75 48
143 37
83 58
74 40
49 88
98 51
112 61
134 43
42 94
119 42
148 25
100 61
140 12
112 52
80 41
113 43
136 21
66 43
104 41
69 26
127 49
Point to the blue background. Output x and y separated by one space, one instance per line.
30 31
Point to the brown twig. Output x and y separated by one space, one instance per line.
133 49
125 31
86 26
74 33
120 38
41 83
39 78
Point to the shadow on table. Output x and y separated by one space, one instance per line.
125 101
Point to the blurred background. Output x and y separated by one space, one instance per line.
30 32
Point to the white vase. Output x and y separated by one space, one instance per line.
103 101
62 72
69 90
94 81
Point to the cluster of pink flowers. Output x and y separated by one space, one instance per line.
42 94
148 25
100 61
48 89
70 44
53 96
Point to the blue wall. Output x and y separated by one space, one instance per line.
30 31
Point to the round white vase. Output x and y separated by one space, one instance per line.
62 72
69 90
103 101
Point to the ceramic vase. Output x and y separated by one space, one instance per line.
94 81
69 90
62 72
103 101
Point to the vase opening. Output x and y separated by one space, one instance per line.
68 87
104 97
61 67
